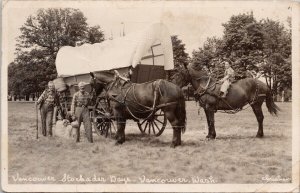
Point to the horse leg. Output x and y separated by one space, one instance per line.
208 123
260 118
176 128
120 136
210 118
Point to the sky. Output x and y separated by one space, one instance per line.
192 21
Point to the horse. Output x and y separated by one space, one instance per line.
240 93
140 101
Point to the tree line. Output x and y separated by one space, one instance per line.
256 47
42 35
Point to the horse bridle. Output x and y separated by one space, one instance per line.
95 80
200 88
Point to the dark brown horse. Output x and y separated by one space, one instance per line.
140 101
242 92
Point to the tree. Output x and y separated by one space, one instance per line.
243 43
263 46
209 55
277 49
94 35
42 35
180 56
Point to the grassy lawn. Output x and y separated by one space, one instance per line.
236 156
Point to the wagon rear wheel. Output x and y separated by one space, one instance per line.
155 124
103 119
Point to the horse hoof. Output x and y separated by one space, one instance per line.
259 136
210 137
118 143
173 145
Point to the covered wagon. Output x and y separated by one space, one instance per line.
147 55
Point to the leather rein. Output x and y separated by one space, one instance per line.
203 90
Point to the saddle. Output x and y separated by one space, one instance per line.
211 89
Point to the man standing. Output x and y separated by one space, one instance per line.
47 101
228 78
79 109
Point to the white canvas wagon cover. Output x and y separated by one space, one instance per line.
151 46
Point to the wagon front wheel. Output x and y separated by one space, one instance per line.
103 120
154 125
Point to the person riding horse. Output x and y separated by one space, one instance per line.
227 80
245 91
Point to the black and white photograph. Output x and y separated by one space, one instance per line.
150 96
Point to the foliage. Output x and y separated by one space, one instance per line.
180 56
261 47
210 56
243 43
42 35
277 49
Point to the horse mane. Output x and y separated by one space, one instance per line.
195 66
196 71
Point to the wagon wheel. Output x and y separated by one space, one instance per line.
103 118
156 124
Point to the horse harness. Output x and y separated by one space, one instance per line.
201 91
129 86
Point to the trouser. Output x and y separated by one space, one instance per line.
225 86
47 118
83 115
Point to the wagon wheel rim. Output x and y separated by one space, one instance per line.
102 120
155 125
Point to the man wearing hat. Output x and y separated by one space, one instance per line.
47 101
79 109
226 81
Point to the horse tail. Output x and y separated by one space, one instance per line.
180 113
272 107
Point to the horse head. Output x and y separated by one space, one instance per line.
197 71
100 80
181 77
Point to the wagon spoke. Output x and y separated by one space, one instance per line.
152 125
145 127
159 115
160 112
102 108
106 128
110 129
156 125
159 120
113 125
143 121
149 129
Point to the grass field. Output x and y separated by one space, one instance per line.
236 156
